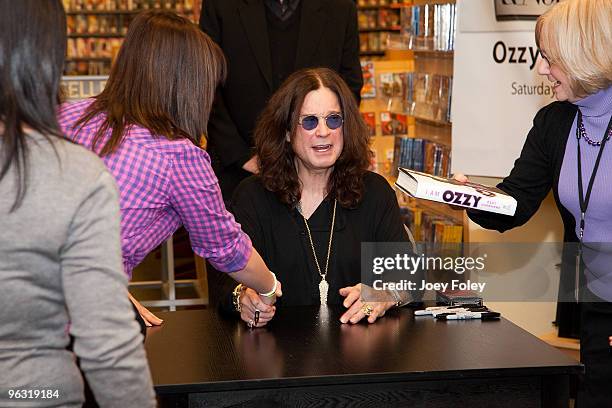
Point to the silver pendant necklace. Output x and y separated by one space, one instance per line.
323 285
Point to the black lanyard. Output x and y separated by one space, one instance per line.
584 201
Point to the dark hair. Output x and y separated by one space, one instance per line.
164 79
276 156
32 51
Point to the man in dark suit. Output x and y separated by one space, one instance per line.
265 41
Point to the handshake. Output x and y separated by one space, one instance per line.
258 309
255 309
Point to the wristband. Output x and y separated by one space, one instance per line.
271 293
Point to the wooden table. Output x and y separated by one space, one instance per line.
307 358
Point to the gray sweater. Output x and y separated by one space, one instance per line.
61 273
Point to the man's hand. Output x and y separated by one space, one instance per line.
149 318
357 309
252 166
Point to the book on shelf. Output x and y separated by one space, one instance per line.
370 120
393 84
369 80
430 26
422 155
393 123
431 228
449 191
373 42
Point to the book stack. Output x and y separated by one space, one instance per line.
397 86
431 228
373 42
422 155
383 18
430 27
376 20
424 95
431 98
437 229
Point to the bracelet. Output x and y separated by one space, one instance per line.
236 297
271 293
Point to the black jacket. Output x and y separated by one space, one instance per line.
536 171
328 37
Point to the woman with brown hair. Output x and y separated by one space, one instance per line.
146 125
60 259
314 201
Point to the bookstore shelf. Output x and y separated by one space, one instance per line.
440 209
372 53
407 103
96 29
364 5
399 5
373 7
432 2
433 122
77 59
433 53
120 12
95 35
378 29
377 21
100 12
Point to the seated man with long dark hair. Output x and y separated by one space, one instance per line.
314 201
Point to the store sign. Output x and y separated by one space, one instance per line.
521 9
496 88
82 87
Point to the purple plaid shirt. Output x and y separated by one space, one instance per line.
164 184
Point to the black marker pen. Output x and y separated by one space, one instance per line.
469 315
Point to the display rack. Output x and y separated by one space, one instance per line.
377 20
416 129
96 29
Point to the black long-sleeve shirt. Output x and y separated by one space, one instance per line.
280 236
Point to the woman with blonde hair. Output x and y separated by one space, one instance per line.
568 150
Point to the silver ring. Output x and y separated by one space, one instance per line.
250 324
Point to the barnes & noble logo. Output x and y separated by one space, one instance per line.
521 9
